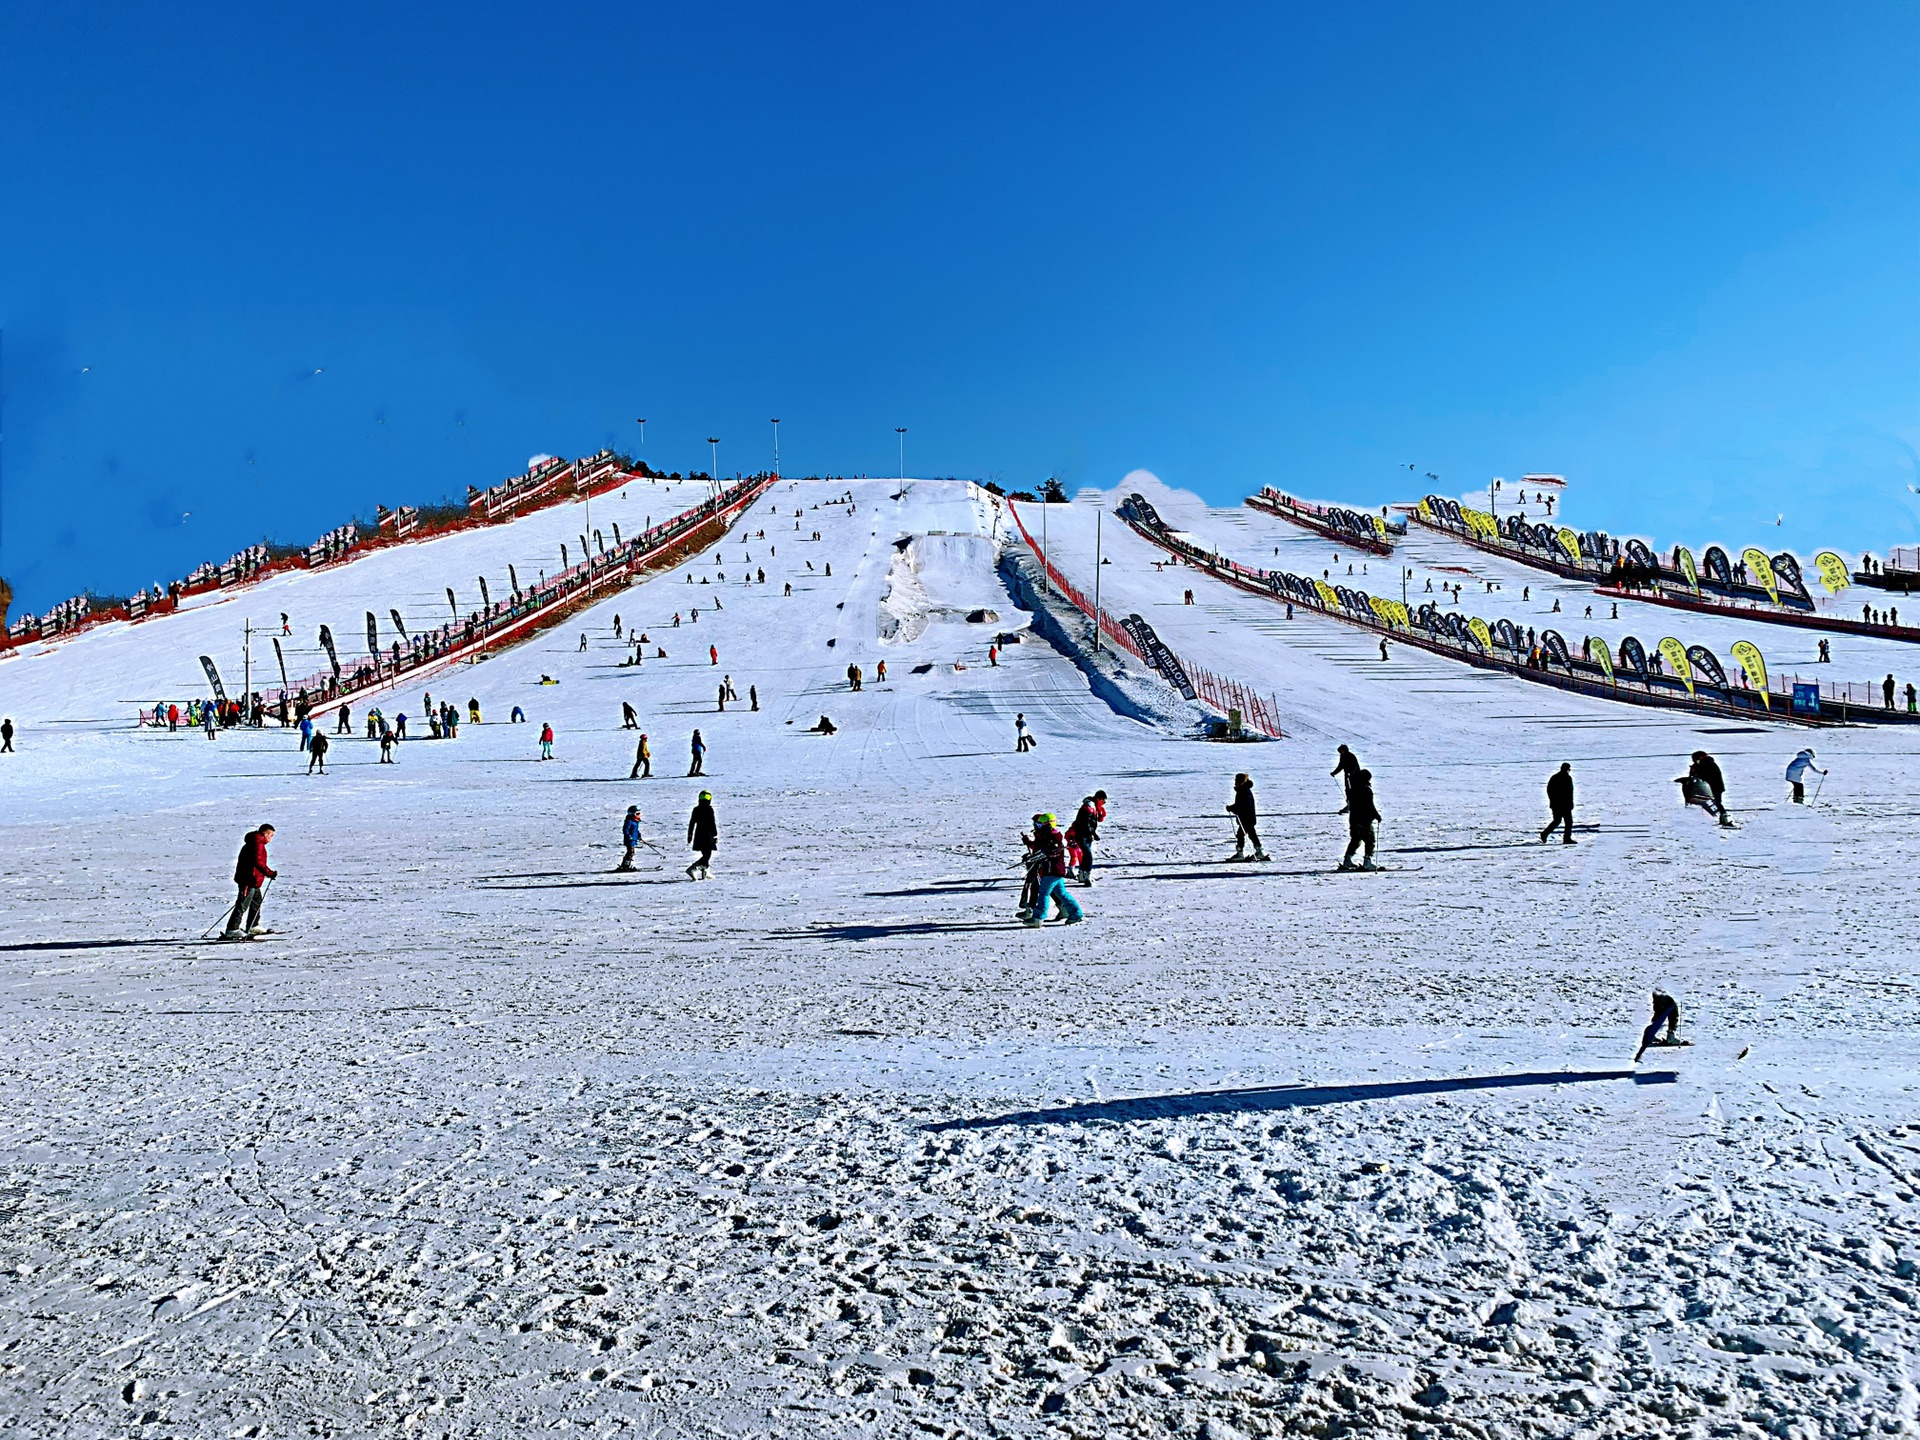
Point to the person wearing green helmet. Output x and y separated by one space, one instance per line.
703 837
1047 864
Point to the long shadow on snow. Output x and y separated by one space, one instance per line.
98 944
1293 1097
884 932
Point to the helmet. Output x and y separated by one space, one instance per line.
706 794
1048 820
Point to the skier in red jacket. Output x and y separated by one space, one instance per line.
251 873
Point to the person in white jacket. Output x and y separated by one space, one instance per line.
1797 769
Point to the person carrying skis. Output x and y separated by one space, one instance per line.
642 762
699 748
250 873
1797 769
317 752
1560 803
546 741
703 837
1246 816
1050 849
1362 815
630 837
1666 1011
1085 831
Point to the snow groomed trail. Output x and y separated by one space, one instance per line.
492 1140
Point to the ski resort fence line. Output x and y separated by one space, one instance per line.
1218 691
505 621
1367 532
1757 586
1549 662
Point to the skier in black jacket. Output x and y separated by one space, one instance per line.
703 837
1560 803
1247 819
1361 818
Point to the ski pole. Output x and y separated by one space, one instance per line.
1816 788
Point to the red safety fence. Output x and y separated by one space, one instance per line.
1220 692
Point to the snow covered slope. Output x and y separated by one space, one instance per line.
492 1139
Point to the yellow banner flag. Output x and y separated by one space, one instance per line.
1761 569
1688 569
1675 654
1480 522
1602 656
1833 572
1327 597
1426 512
1382 608
1751 661
1569 542
1379 526
1481 632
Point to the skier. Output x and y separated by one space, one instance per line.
1560 803
723 699
1022 741
713 654
1346 765
1246 816
993 656
317 752
250 873
345 727
546 742
642 762
1383 647
1086 831
1666 1012
699 748
173 720
1797 769
630 836
306 732
1362 815
628 719
208 720
880 672
6 736
703 837
616 627
1051 865
386 745
583 640
753 697
1704 785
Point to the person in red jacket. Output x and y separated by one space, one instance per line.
251 873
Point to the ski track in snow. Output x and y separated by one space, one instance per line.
491 1140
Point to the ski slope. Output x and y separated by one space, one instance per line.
490 1139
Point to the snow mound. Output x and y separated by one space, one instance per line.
940 577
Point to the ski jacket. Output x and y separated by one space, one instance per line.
1798 767
1707 771
1052 846
703 829
319 743
1362 811
1086 825
630 832
1243 807
546 734
251 869
1560 793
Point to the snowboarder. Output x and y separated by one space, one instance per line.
250 873
1797 769
1048 852
823 726
1560 803
628 719
1666 1012
642 761
1086 831
703 837
1246 816
1022 741
6 736
1705 786
546 742
699 748
630 836
1362 815
317 752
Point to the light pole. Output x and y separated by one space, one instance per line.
643 434
776 447
901 431
1098 516
714 478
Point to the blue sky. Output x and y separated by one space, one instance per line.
265 266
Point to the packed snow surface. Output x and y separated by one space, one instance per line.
489 1139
